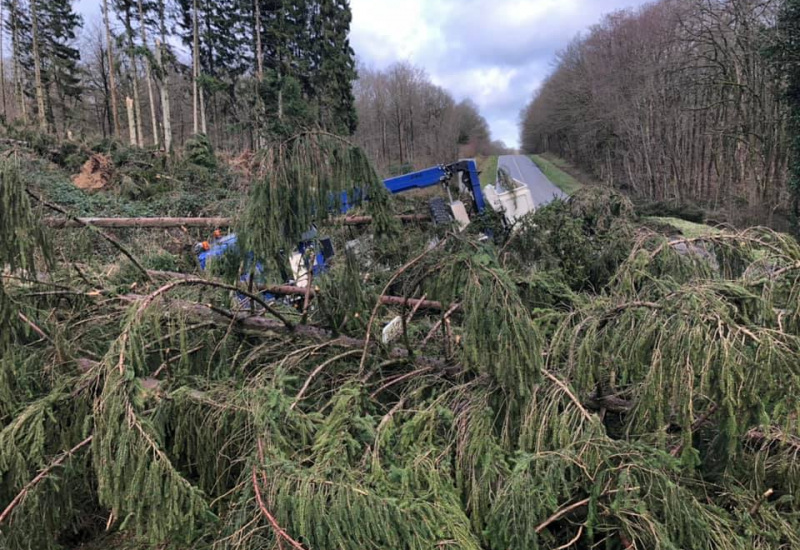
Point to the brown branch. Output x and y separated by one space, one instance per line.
118 245
139 223
275 527
757 505
316 371
34 327
569 393
560 513
455 307
289 290
164 222
41 476
702 419
394 277
147 300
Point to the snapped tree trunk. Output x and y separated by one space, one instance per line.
131 120
135 81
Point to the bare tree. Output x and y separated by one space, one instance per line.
673 102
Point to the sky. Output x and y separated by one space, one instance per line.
496 52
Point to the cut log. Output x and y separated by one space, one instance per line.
60 223
164 222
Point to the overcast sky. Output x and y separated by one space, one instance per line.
493 51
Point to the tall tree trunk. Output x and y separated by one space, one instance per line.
137 112
106 93
195 69
37 69
148 76
111 80
2 60
165 106
259 51
259 70
18 91
131 109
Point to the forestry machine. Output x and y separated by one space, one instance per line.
314 252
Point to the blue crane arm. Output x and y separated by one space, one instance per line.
440 174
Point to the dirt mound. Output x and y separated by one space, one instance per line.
95 173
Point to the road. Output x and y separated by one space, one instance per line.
523 169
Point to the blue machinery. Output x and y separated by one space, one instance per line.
441 174
429 177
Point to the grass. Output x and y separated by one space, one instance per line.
488 168
553 169
689 229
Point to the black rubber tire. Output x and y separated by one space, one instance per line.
440 211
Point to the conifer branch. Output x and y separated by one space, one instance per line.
275 527
41 476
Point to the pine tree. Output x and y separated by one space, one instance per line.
163 72
42 33
18 27
58 24
125 11
112 85
41 108
144 9
335 71
789 56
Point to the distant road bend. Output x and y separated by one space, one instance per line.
523 169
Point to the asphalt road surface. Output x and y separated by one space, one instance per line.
523 169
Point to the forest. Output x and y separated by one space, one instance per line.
601 373
691 101
156 72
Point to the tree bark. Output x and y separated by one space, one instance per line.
148 76
111 79
166 222
19 95
195 49
165 106
2 59
137 112
131 120
37 68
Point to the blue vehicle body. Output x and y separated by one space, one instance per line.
440 175
323 250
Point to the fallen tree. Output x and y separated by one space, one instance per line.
649 402
165 222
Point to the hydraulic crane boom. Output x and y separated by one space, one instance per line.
440 175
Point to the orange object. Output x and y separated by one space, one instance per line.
206 246
217 233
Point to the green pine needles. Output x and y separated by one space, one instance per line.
648 400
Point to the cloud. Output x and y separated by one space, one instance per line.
496 52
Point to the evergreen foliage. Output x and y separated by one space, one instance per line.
649 402
303 183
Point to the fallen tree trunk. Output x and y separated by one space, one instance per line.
164 222
288 290
261 326
61 223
